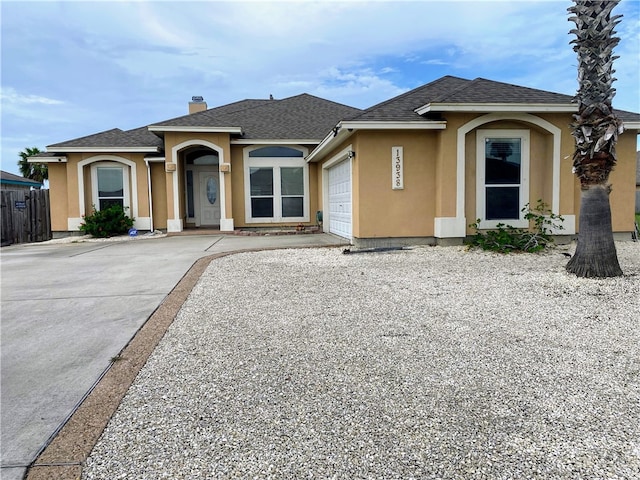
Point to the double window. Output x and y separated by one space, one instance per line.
276 185
110 185
502 177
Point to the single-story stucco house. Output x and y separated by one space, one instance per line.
418 168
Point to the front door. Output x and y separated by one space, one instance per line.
209 199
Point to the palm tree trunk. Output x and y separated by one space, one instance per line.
595 129
596 251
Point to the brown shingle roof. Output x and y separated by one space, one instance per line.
401 108
300 117
482 90
114 138
308 117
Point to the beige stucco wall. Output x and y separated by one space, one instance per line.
159 195
384 212
623 182
58 188
237 184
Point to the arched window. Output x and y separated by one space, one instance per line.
203 157
275 151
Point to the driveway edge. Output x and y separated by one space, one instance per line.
65 455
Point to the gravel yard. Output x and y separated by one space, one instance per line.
434 362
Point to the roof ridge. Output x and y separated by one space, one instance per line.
209 111
305 94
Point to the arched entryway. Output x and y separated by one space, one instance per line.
202 187
199 185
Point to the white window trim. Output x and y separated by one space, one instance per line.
125 181
276 163
110 159
481 136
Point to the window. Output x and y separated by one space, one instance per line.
275 151
502 181
203 157
292 191
277 185
261 192
110 185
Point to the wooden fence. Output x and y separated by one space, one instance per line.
26 216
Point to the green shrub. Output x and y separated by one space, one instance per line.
505 238
107 222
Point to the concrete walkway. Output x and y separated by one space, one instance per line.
69 308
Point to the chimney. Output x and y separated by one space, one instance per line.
197 104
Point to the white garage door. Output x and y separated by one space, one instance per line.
340 199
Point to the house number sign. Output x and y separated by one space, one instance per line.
397 168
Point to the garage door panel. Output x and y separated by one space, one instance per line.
340 199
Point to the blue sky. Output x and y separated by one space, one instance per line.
73 68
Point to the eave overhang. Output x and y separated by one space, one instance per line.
166 128
386 125
275 141
345 129
109 149
635 125
498 107
21 183
48 159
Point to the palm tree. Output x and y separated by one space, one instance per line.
35 171
595 129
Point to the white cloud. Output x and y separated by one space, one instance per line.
10 95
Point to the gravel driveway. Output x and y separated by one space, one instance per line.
434 362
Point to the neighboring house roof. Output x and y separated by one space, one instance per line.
302 117
7 178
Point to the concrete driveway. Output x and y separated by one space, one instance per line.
69 308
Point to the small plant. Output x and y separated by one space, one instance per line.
505 238
107 222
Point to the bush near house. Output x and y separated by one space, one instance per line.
506 239
107 222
